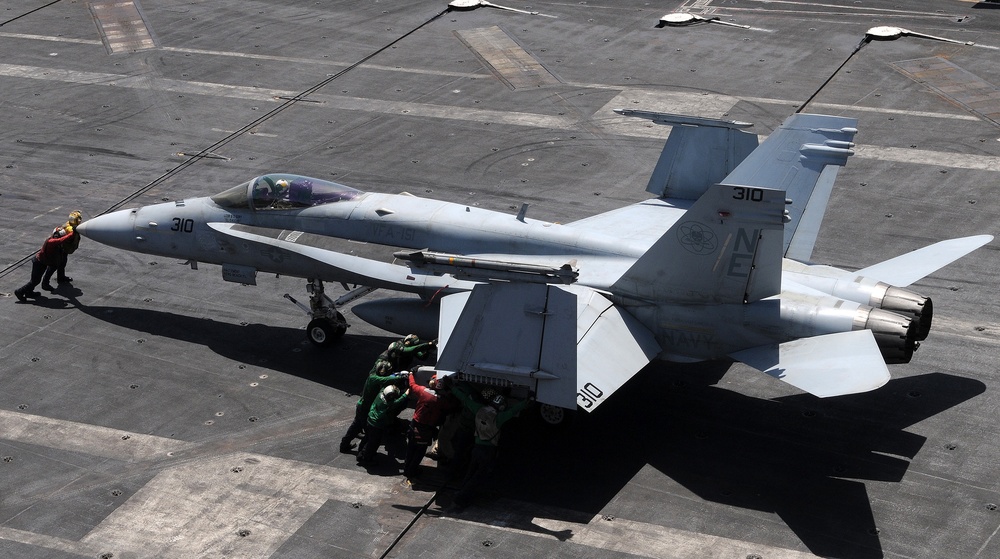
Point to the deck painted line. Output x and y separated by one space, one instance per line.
86 439
613 124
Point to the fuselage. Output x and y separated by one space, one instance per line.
265 225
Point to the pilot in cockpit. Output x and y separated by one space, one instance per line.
277 193
280 187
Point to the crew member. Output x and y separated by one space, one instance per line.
490 418
69 247
381 417
433 402
44 264
401 353
378 378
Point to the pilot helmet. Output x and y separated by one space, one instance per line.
410 340
281 184
389 393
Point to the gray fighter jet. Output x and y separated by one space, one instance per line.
715 265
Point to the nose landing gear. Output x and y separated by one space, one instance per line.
327 324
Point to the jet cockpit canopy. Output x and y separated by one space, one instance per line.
281 191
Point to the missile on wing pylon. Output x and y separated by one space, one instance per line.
484 269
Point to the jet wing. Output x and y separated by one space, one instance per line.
512 334
801 157
829 365
568 344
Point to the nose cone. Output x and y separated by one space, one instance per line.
113 229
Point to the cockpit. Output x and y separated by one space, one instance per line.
280 191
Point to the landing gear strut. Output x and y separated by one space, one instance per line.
327 324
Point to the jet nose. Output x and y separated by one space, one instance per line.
113 229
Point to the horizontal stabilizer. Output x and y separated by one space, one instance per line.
905 269
828 365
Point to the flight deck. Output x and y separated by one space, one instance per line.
151 409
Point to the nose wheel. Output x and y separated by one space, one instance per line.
322 332
327 325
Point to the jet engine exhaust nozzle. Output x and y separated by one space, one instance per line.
895 334
908 303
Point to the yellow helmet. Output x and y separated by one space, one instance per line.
75 217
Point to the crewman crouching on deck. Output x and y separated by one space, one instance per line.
44 264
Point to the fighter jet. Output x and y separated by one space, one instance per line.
715 265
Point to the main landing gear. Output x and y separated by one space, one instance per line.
327 324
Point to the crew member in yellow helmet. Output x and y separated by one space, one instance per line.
70 246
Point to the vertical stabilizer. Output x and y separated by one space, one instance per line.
726 249
698 153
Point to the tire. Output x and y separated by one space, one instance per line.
322 332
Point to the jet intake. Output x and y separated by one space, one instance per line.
895 334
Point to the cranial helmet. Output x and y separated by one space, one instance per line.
390 393
499 402
75 217
411 340
383 367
